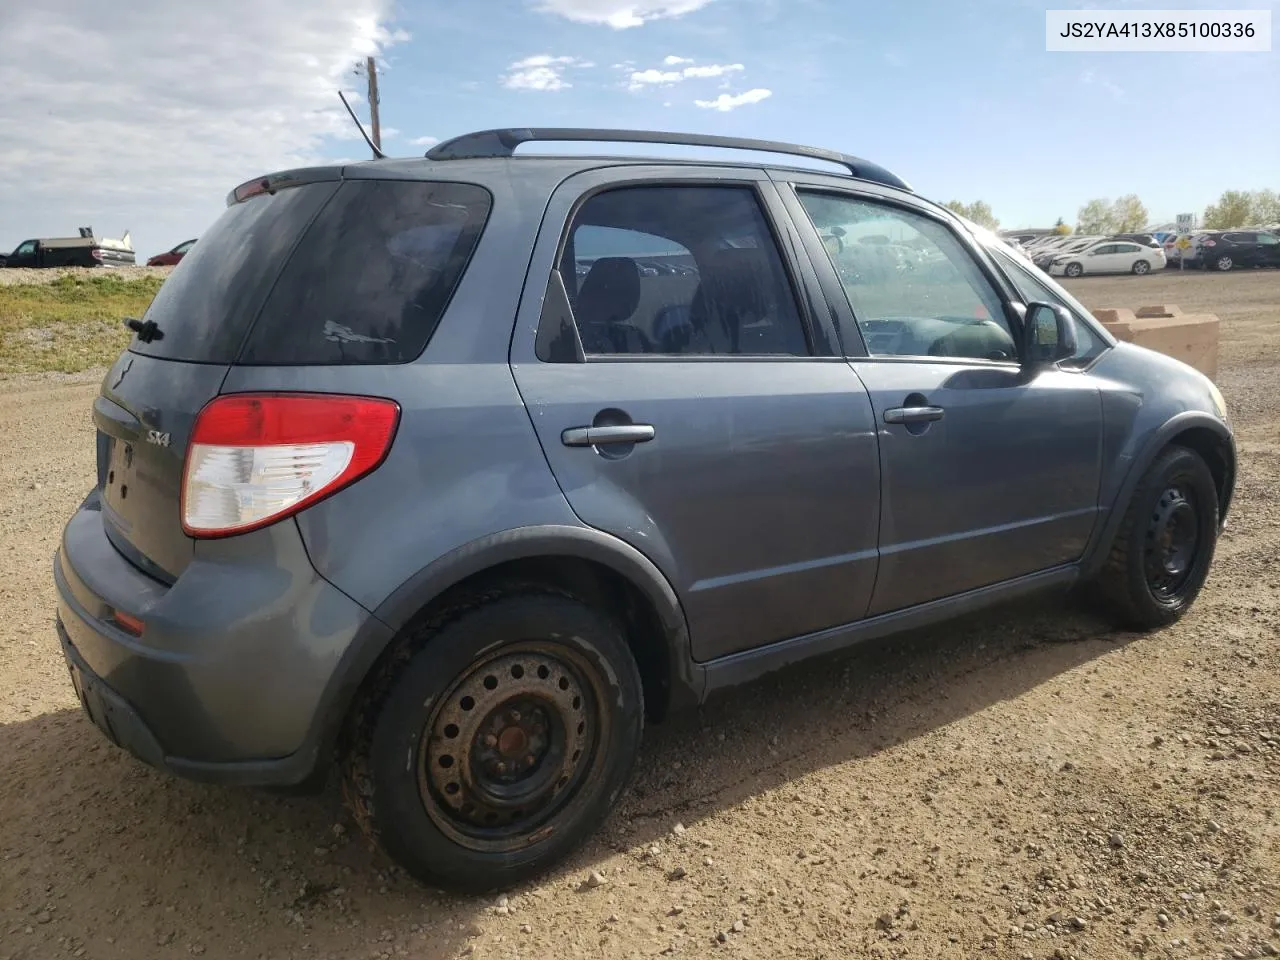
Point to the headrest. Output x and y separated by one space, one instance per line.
610 293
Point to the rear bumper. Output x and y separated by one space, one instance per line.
110 713
237 676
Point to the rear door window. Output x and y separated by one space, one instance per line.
372 277
679 270
205 307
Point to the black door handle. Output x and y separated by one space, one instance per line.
913 414
598 436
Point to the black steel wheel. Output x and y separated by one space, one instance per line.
1164 547
1170 541
500 744
508 745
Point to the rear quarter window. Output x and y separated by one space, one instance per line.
372 276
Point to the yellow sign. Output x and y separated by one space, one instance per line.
1183 243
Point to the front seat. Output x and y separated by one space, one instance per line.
607 299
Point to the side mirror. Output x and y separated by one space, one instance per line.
1048 335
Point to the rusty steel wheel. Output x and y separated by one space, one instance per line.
499 738
507 745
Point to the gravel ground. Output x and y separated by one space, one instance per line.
1026 783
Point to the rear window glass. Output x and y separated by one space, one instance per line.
204 308
372 276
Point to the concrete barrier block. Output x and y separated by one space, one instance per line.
1114 315
1160 310
1191 338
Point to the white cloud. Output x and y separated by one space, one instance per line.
1117 92
724 103
541 72
425 141
101 126
673 61
713 70
620 14
644 78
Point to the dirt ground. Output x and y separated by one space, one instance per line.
1022 784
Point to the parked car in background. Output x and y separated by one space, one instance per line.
85 250
171 257
1145 239
1229 249
1108 256
381 475
1049 252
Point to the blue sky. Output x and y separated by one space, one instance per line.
960 98
145 119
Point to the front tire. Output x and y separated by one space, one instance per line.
500 745
1073 270
1163 549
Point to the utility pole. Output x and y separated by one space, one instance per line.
371 74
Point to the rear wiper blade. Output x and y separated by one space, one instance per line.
146 330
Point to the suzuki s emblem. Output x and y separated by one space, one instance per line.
158 438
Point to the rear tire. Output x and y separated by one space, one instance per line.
1142 268
1224 264
1164 547
501 743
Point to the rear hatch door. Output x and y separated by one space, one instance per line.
202 314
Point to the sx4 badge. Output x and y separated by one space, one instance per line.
158 438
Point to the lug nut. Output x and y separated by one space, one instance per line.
502 768
490 740
514 715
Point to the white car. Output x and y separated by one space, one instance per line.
1043 256
1108 256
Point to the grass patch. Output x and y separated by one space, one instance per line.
72 324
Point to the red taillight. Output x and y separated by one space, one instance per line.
127 622
96 254
1208 243
254 459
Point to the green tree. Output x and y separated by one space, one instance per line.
1233 209
1096 216
1062 228
1128 214
1266 208
979 212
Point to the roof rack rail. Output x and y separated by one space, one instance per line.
503 143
